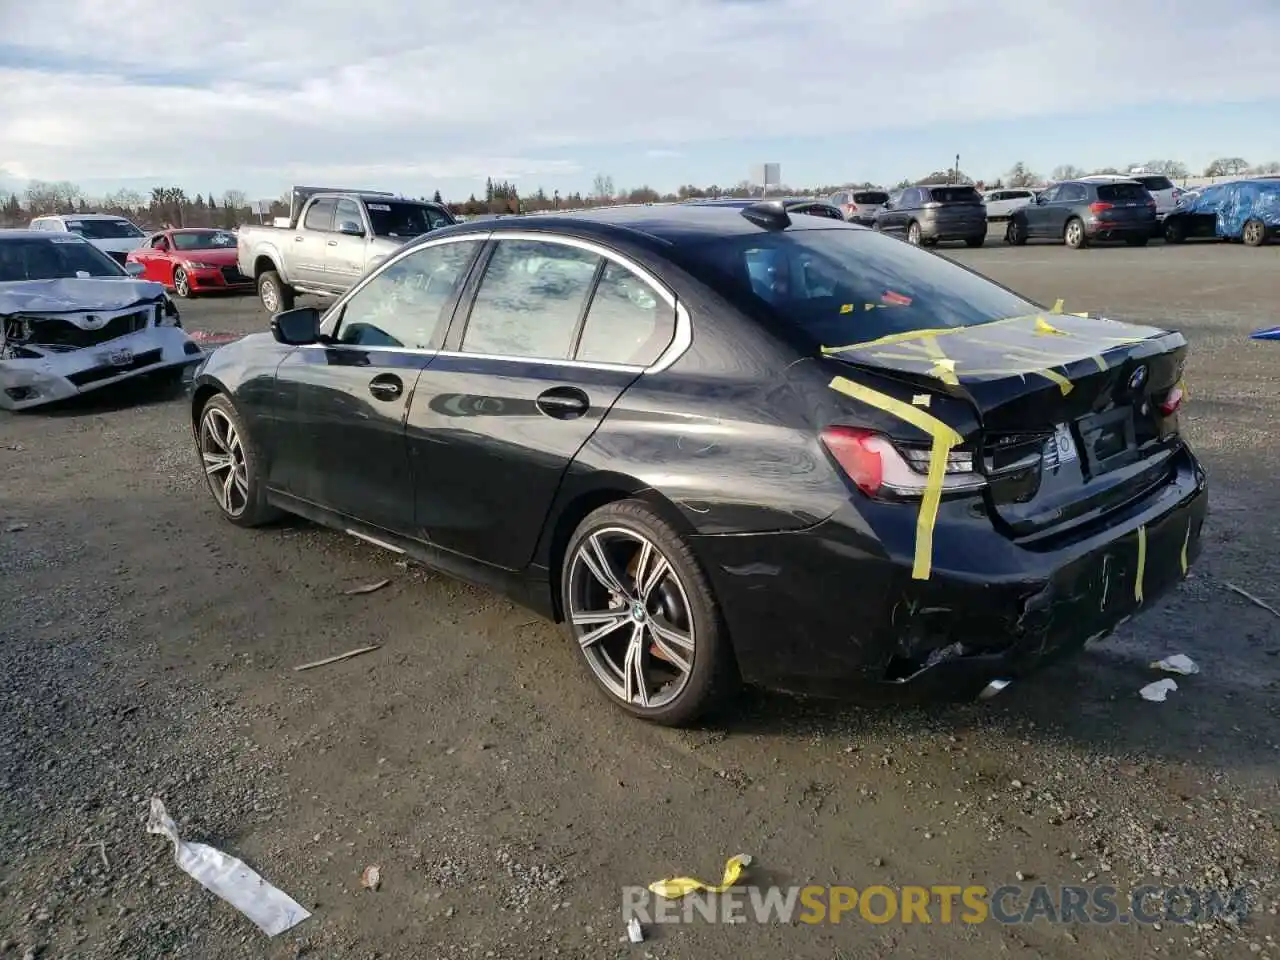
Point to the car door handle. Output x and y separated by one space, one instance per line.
563 403
386 386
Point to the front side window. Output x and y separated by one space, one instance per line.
320 215
627 322
837 287
347 212
530 299
403 304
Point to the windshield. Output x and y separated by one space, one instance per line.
955 195
53 259
870 196
104 229
203 240
848 286
1128 192
404 220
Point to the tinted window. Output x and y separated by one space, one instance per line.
1155 183
627 321
845 286
320 215
204 240
819 210
870 196
401 220
1122 192
1017 195
1072 193
55 258
401 305
104 229
955 195
530 299
347 210
1051 195
909 198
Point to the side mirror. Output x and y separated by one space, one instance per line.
297 327
134 269
350 228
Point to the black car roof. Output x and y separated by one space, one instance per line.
658 225
20 233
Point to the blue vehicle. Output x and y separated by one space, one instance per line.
1245 210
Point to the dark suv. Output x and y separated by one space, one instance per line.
1079 212
933 212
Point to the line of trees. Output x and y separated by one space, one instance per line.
172 205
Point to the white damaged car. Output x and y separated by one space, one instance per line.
72 320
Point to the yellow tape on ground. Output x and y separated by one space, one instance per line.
1142 564
944 439
1186 540
678 887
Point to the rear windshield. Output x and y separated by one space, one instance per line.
955 195
1155 183
54 259
870 196
204 240
1111 192
400 221
104 229
836 286
819 210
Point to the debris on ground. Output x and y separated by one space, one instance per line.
271 910
366 588
1178 663
339 657
1158 691
634 932
677 887
15 528
1249 596
371 879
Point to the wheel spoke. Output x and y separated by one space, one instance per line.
597 561
654 576
633 680
216 462
673 646
604 624
227 486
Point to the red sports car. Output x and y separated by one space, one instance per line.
192 260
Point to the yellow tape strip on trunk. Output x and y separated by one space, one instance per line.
678 887
944 439
1142 564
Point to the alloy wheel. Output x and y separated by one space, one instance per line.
913 234
180 284
270 296
1075 233
631 616
1252 233
222 452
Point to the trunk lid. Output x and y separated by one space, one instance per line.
1070 422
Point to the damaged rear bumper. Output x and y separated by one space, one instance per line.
825 611
32 382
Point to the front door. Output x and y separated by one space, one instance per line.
347 452
555 333
307 250
1038 213
345 254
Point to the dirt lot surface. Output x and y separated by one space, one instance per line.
149 651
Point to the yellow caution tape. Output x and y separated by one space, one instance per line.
944 439
847 308
1142 564
1045 327
1052 375
678 887
943 369
1185 541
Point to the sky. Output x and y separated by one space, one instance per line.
440 94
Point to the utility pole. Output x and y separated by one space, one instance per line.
957 169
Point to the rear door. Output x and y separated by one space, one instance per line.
556 330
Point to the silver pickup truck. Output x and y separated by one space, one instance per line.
331 238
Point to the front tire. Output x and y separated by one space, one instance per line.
230 463
1073 234
181 283
913 234
1254 233
641 611
1016 234
274 293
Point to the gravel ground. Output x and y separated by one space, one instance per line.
149 651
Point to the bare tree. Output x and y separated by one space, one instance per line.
1271 166
1022 176
1170 168
602 187
1226 167
1067 171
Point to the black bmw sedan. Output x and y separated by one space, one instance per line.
727 444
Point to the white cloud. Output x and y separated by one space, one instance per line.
255 93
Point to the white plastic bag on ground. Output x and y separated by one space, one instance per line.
1156 692
272 910
1178 663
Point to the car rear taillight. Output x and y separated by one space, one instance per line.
1172 401
1098 206
877 465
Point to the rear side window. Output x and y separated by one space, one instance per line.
1122 192
836 287
1155 183
954 195
627 321
870 197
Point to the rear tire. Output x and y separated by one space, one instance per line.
1136 241
275 294
1073 234
230 462
635 543
1254 233
913 234
975 241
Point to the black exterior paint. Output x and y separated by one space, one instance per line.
464 471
